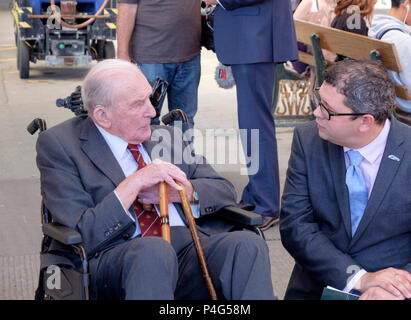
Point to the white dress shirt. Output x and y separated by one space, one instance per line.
129 165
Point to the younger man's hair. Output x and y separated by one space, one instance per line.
366 85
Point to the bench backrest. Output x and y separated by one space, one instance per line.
351 45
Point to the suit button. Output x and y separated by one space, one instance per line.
209 209
126 236
97 255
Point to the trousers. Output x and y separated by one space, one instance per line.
255 83
150 268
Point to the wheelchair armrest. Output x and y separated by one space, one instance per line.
62 234
240 216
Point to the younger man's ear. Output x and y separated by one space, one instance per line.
367 121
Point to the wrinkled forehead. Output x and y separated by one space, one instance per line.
132 84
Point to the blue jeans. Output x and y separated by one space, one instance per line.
183 79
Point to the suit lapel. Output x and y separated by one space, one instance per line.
385 176
96 148
337 165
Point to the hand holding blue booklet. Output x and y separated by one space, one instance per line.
330 293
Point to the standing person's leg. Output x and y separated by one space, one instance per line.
183 93
255 84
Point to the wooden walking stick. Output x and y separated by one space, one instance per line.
197 243
165 231
164 220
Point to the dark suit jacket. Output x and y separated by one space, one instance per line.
79 174
254 31
315 216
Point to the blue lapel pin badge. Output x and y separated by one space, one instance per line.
392 157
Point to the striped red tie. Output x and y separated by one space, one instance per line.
149 221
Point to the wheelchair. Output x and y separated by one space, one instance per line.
73 283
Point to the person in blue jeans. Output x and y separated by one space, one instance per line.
164 41
183 79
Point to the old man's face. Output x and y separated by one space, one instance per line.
131 114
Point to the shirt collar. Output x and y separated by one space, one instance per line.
375 148
117 145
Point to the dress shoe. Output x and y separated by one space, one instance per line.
246 206
268 222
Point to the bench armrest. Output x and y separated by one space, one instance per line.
62 234
240 216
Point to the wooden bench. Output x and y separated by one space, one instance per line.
348 44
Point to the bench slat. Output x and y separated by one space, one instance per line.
402 92
351 45
306 58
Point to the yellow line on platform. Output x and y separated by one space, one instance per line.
8 59
36 81
7 48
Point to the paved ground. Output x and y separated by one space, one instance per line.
23 100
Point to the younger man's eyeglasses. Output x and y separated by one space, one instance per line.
324 110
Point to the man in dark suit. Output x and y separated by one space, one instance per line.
252 36
346 206
95 170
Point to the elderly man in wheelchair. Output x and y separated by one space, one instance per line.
98 170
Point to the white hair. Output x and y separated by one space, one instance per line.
98 86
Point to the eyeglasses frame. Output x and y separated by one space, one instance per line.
318 103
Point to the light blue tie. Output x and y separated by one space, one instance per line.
357 189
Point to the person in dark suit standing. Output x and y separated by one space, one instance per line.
346 206
96 170
252 36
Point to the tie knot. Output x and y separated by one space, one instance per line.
355 157
133 147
